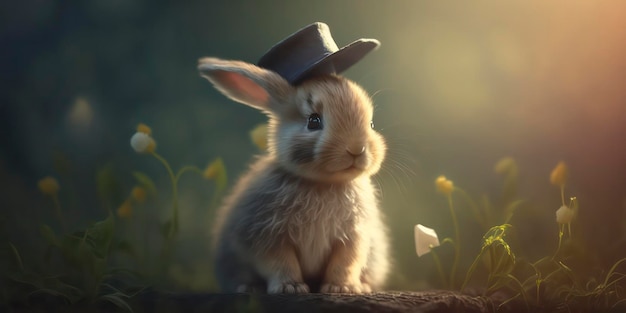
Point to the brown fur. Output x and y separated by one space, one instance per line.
305 216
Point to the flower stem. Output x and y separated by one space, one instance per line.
457 242
558 248
563 194
59 214
187 169
481 217
472 269
174 181
573 205
442 274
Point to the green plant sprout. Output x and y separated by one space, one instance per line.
550 282
85 276
80 267
142 142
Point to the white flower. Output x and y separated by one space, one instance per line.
565 215
141 142
425 239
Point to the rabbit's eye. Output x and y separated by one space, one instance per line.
372 124
315 122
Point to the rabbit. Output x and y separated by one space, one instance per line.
305 217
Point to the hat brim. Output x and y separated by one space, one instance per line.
340 60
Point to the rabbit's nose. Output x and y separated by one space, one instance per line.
355 150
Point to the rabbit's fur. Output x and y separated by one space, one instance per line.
305 216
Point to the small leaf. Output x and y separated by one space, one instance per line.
565 267
76 250
115 298
108 185
26 279
101 234
145 181
52 292
110 287
72 293
510 209
55 287
18 258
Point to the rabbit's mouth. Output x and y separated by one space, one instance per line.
348 163
346 172
343 166
349 171
353 168
344 175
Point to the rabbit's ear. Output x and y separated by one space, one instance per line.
245 83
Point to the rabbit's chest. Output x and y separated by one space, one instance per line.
319 222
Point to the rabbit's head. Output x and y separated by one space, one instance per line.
320 129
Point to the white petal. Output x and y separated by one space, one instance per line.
140 142
425 238
565 215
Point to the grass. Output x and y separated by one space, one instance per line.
549 284
91 265
82 267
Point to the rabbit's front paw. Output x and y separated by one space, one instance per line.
345 288
288 287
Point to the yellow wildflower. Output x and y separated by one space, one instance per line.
505 165
139 194
151 146
125 210
213 169
143 128
444 185
259 136
48 185
559 174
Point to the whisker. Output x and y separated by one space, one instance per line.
401 167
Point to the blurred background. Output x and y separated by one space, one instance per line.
457 85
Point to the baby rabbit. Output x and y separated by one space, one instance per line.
305 216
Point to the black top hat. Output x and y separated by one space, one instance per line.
312 51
